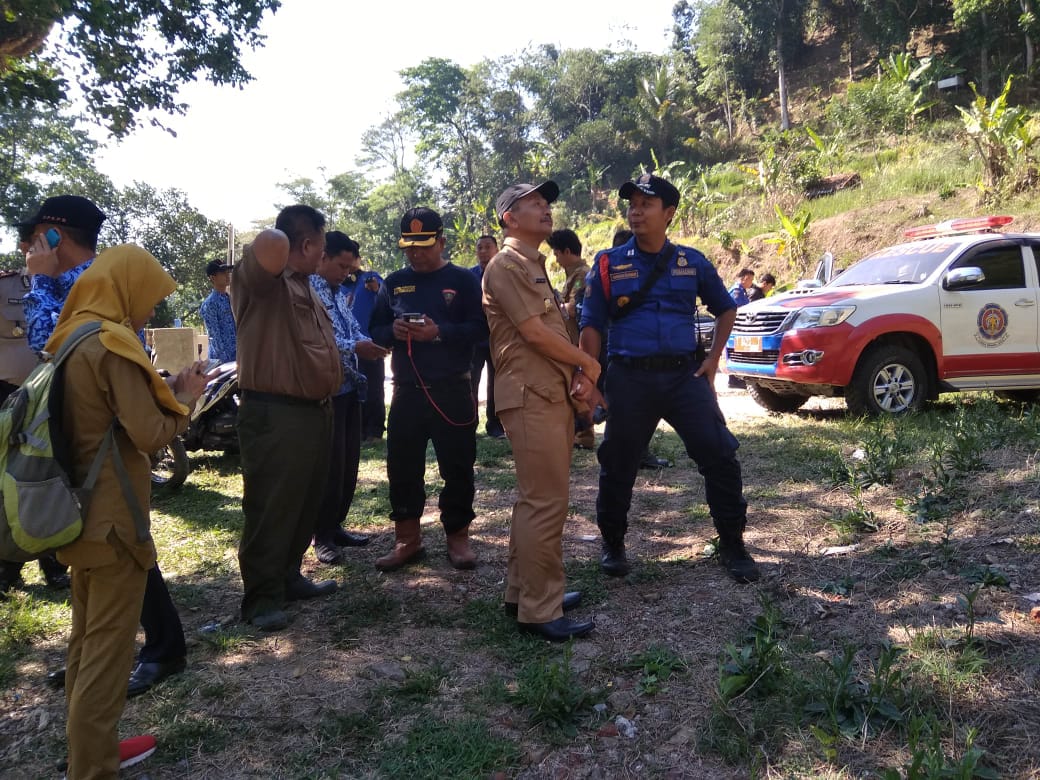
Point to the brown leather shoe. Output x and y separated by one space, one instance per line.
408 546
459 553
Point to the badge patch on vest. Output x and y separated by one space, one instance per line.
449 296
408 288
624 267
616 277
684 272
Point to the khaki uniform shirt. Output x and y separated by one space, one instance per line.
101 386
286 344
516 288
574 291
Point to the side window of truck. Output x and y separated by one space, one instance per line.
1002 266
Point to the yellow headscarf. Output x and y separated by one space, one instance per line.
122 285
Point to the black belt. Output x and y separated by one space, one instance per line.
656 362
287 400
440 382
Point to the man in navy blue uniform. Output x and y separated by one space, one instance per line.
361 288
643 295
429 313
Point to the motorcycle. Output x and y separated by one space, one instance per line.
213 426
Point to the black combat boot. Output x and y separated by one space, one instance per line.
614 562
735 559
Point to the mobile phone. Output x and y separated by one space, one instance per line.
411 316
53 237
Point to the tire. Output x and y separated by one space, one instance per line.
888 379
1020 396
774 401
170 465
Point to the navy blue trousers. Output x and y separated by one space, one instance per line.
639 399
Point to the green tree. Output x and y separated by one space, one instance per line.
125 57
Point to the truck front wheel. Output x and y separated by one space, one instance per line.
889 379
773 401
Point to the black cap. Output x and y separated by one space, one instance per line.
215 267
69 211
548 190
651 185
420 227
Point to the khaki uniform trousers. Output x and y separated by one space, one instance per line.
106 608
542 434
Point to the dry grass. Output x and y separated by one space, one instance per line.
354 685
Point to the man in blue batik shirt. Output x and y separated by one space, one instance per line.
54 270
216 313
642 298
345 457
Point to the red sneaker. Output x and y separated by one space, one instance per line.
135 750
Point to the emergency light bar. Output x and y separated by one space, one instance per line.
954 227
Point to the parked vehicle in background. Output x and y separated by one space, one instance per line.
954 309
212 427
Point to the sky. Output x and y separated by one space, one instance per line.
328 71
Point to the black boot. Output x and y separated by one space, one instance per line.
613 561
735 559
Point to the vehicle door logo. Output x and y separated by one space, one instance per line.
993 324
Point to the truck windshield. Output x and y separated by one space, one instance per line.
901 264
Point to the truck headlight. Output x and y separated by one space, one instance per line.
822 316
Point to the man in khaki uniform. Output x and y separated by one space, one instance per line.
566 247
537 370
288 367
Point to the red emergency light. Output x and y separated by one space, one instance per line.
954 227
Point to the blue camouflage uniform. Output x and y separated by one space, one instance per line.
220 326
652 358
43 304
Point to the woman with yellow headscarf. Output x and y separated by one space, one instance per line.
109 377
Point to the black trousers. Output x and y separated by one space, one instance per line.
373 410
639 400
481 358
163 632
414 422
344 459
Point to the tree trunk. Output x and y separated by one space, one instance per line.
1027 9
785 117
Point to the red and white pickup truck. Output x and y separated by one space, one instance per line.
956 309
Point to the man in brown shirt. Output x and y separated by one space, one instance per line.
288 367
537 370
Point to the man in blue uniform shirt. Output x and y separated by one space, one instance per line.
361 288
216 313
643 295
429 313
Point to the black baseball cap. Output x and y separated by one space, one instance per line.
215 267
68 211
420 227
549 190
651 185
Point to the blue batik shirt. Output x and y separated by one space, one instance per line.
346 330
220 325
44 301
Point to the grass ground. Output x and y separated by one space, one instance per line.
889 634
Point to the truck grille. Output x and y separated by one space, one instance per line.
759 322
766 358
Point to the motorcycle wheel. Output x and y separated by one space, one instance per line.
170 465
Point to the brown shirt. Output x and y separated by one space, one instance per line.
101 386
286 343
516 288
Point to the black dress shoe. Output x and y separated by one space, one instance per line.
571 599
56 679
614 562
149 673
327 553
302 588
559 630
347 539
653 462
